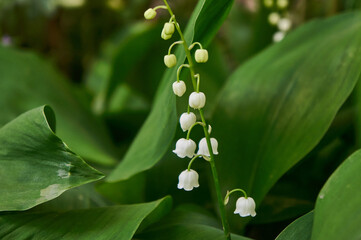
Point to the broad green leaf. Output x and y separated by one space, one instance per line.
186 222
276 107
36 84
81 197
300 229
35 165
158 130
189 232
116 222
337 211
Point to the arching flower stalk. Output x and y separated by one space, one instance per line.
186 147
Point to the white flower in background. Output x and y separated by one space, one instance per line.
268 3
201 55
188 180
168 28
179 88
187 120
282 3
71 3
150 14
165 36
273 18
170 60
203 147
278 36
197 100
185 148
245 207
284 24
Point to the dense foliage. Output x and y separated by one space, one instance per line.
89 120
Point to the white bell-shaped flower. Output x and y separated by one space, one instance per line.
203 147
150 14
168 28
245 207
273 18
278 36
187 120
179 88
170 60
185 148
165 36
201 55
197 100
188 180
284 24
282 3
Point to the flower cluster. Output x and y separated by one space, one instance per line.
186 147
279 17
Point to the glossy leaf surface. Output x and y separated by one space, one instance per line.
35 165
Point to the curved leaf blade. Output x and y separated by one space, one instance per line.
300 229
276 105
158 130
337 211
38 84
117 222
35 165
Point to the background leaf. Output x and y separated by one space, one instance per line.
337 211
278 105
116 222
36 84
300 229
35 165
187 222
158 131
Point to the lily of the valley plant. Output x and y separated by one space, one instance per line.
207 146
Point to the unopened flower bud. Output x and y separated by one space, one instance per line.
284 24
168 28
282 4
185 148
197 100
278 36
226 200
179 88
188 179
273 18
187 120
150 14
165 36
203 147
245 207
170 60
201 55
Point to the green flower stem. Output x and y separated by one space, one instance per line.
212 163
235 190
216 180
185 45
198 81
191 161
190 129
160 7
171 46
180 69
195 43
